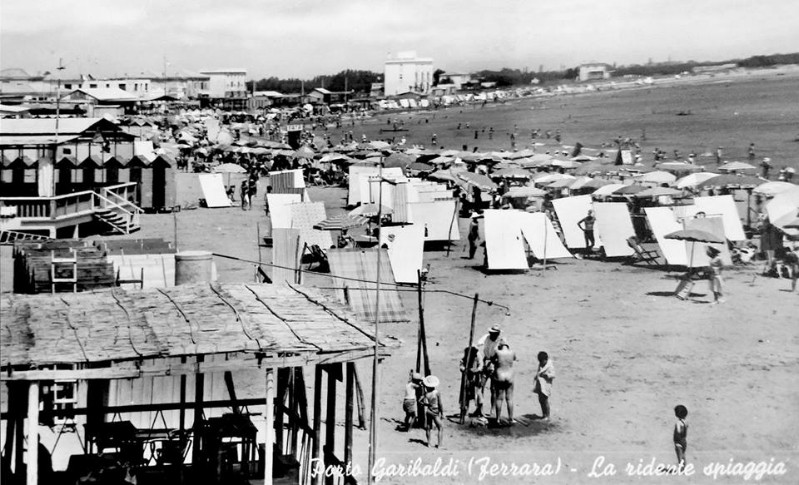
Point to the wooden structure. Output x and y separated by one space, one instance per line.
189 334
60 266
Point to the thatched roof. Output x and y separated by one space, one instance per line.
114 326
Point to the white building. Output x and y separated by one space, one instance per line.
136 86
226 83
406 72
456 79
594 72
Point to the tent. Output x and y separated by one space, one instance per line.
724 206
304 216
613 227
405 250
286 253
438 218
694 179
570 211
540 234
503 240
213 188
279 208
715 226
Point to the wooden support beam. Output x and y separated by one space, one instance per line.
333 370
231 389
130 370
33 434
350 397
269 448
316 452
199 391
282 390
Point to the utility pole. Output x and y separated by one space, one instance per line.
57 116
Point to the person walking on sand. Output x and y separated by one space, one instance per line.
716 265
474 234
502 381
543 383
434 411
680 435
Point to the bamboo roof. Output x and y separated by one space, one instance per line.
113 326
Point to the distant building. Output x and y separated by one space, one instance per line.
455 79
226 83
407 73
594 72
183 84
136 86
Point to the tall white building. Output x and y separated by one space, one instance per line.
226 83
406 72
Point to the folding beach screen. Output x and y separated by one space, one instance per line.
613 227
359 176
400 203
282 181
663 221
303 217
405 250
286 251
540 234
214 190
503 240
439 219
279 208
361 264
724 206
570 211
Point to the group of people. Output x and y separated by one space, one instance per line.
488 364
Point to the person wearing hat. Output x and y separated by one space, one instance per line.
434 411
490 342
716 266
409 402
766 166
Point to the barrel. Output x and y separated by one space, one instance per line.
193 267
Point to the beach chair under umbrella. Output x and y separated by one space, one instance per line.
341 222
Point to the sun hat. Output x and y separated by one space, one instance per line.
494 329
431 382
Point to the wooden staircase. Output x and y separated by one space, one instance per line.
118 221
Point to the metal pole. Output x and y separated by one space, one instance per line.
466 360
373 424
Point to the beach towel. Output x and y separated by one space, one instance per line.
544 378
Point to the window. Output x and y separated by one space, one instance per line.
123 87
68 86
67 151
107 85
93 86
30 176
77 176
65 397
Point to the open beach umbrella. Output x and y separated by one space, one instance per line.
736 166
678 167
594 184
629 189
657 192
694 179
341 222
561 184
607 190
512 173
593 167
444 176
303 152
694 236
370 210
732 181
567 164
229 168
480 181
421 167
658 177
524 192
400 160
771 189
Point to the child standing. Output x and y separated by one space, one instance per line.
543 383
434 411
409 402
716 265
680 435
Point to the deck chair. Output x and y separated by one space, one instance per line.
641 254
313 254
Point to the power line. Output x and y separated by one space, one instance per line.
397 287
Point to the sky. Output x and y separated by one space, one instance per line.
303 38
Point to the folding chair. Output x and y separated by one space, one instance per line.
641 254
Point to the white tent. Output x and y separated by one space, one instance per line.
405 250
280 209
540 234
724 206
570 211
613 227
662 221
213 187
439 219
503 240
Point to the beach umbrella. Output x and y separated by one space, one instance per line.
608 189
480 181
736 166
657 192
694 236
561 184
794 224
581 182
583 158
521 154
694 179
370 210
512 173
546 178
524 192
678 167
567 164
783 205
732 181
442 160
658 177
629 189
421 167
771 189
400 160
341 222
443 175
594 166
596 183
229 168
303 152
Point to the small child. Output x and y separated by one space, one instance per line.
434 411
680 435
543 383
409 402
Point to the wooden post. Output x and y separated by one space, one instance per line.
199 390
175 228
33 434
317 423
360 402
350 395
467 364
270 425
333 370
282 379
422 331
421 321
182 411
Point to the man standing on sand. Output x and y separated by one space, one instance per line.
719 154
490 343
474 234
502 381
587 225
